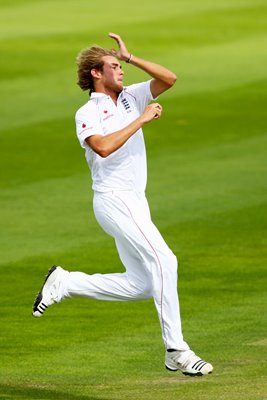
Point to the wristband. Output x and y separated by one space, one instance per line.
129 59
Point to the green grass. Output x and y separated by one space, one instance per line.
207 192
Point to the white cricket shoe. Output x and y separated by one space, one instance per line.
187 362
48 294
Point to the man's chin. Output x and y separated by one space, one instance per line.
119 89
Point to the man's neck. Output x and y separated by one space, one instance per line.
109 92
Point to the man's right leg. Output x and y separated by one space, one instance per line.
60 284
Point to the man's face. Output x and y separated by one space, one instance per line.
112 74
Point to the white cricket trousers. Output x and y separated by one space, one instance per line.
151 267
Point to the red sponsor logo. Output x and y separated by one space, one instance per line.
83 125
105 111
108 116
87 129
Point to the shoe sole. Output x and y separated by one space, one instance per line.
39 297
187 373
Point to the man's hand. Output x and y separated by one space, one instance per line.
152 111
122 54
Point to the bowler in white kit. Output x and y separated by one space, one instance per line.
109 129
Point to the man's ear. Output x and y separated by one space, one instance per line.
95 73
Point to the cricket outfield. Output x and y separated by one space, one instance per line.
207 191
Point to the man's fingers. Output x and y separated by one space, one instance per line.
157 115
122 53
152 111
112 35
158 106
115 36
158 109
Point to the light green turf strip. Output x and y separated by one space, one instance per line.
224 177
37 216
33 55
210 68
219 177
43 17
217 67
41 98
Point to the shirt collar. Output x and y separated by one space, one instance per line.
98 95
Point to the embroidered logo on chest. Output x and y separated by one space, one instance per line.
126 105
107 115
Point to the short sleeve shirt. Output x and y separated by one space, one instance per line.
126 168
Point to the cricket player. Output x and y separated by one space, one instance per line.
109 129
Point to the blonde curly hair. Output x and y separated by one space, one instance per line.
88 59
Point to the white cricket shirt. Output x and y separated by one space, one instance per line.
126 168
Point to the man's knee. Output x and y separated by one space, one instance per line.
142 288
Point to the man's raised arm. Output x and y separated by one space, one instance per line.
163 78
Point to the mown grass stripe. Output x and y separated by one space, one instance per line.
207 191
211 68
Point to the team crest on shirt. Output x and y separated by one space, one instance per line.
126 105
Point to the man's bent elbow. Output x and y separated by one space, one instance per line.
103 152
99 146
172 79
